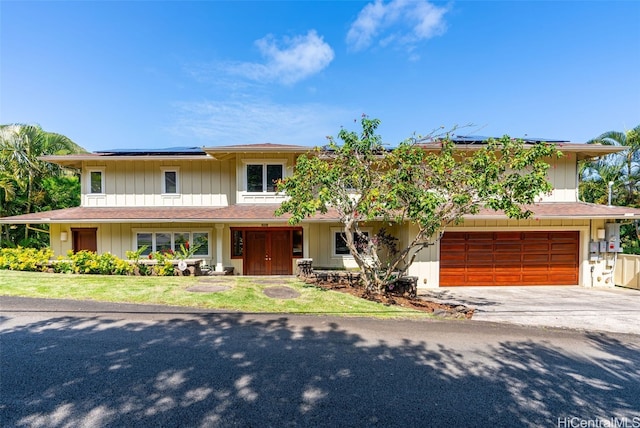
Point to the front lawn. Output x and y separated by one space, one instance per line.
244 294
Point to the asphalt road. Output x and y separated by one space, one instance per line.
82 364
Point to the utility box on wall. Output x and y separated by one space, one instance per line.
612 237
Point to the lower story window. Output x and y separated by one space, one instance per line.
340 243
167 242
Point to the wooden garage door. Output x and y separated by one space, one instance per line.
509 258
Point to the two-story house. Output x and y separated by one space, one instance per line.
222 201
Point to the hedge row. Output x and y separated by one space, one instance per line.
82 262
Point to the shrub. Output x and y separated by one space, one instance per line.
164 268
25 259
62 265
84 262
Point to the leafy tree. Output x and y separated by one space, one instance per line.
622 168
431 186
25 180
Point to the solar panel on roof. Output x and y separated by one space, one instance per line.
163 151
480 139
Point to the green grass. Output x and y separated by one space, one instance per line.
245 294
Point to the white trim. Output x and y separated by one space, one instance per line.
219 241
163 182
101 170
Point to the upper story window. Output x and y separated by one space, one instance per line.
170 181
263 177
95 182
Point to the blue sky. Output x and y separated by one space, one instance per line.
148 74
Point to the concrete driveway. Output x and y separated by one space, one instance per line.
593 309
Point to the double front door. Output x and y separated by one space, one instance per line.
268 252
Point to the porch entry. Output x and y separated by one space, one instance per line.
269 251
84 239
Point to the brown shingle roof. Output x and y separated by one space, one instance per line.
233 213
265 212
568 210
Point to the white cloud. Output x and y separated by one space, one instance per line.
288 61
403 22
213 123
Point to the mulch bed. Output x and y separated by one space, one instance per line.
417 303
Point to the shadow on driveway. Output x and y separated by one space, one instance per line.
593 309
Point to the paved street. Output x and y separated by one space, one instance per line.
96 365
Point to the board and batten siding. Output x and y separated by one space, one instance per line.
563 176
206 182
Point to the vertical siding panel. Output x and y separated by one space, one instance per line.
212 190
149 183
552 176
118 246
570 178
560 182
129 184
121 183
186 184
110 183
225 189
197 170
54 239
138 183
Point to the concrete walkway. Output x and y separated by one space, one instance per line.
594 309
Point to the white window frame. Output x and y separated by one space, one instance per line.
163 183
334 231
264 163
93 169
153 233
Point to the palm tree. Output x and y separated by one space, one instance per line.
623 168
21 170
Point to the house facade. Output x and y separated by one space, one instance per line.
221 200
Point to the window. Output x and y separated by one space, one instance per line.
297 243
96 181
171 241
254 178
145 240
340 244
200 241
180 239
237 243
163 242
170 184
263 177
274 173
